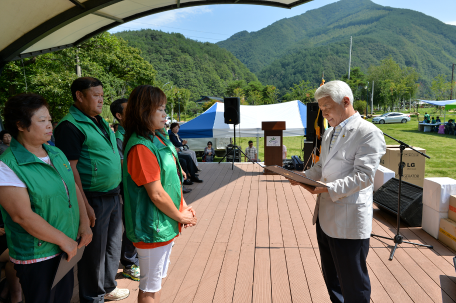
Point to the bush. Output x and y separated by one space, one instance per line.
360 106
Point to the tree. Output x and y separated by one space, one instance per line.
303 91
270 94
106 57
393 84
357 82
440 88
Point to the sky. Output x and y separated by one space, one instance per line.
213 23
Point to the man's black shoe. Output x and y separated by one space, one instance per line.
197 175
186 190
188 182
196 179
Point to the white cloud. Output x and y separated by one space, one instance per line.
451 22
172 17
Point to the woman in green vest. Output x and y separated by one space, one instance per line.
154 205
47 214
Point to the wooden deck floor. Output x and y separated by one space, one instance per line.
255 242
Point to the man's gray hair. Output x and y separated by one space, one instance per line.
336 90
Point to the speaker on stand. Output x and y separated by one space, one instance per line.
232 115
312 143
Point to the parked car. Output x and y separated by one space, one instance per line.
392 118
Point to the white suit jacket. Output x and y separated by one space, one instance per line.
345 212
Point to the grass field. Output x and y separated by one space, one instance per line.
441 148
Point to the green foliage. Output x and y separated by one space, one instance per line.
304 91
360 106
204 69
357 83
441 88
305 46
208 104
106 57
393 83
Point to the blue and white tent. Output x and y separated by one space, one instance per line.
211 124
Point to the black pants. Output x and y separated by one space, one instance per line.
98 267
343 262
128 254
188 165
37 278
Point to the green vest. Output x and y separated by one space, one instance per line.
143 220
48 199
120 133
99 163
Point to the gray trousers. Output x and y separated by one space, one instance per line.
98 267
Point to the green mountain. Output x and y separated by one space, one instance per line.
305 46
203 68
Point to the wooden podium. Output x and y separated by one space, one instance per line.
273 140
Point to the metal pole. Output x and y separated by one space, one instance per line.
350 60
179 101
452 74
372 99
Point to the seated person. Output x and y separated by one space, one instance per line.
438 120
427 118
433 122
5 138
177 142
189 168
209 152
449 127
251 153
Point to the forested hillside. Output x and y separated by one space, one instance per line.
202 68
305 46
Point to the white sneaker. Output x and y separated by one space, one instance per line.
117 294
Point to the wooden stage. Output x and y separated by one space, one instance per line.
255 242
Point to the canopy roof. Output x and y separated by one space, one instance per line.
32 27
211 124
449 104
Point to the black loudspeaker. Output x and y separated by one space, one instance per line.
411 200
232 112
312 112
297 163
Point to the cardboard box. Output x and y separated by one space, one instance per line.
382 175
437 192
447 232
414 163
452 208
431 220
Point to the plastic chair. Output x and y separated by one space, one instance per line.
441 129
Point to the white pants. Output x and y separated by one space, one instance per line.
192 154
153 264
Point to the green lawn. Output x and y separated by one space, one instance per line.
441 148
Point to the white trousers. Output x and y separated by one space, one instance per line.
153 264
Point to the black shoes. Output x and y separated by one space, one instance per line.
187 182
186 190
196 179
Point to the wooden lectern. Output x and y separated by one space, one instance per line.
273 140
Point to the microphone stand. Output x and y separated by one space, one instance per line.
399 239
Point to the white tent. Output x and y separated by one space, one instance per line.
211 123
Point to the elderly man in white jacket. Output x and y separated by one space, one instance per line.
350 154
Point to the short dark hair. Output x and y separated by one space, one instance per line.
116 106
209 143
173 125
2 133
83 83
19 109
250 141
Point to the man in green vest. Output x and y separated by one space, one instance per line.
128 255
90 146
